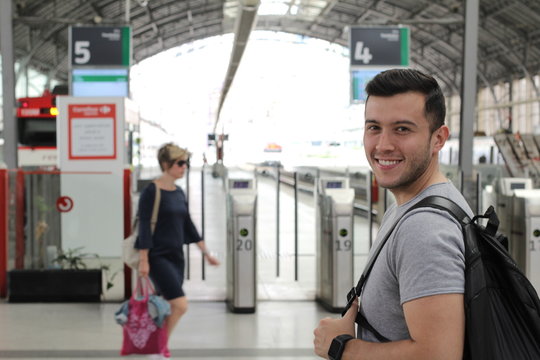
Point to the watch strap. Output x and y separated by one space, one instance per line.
338 346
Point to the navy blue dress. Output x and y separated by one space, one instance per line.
174 228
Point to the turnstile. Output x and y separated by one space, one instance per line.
505 204
518 209
525 234
241 245
334 242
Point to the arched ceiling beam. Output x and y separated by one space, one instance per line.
23 63
510 55
245 22
330 25
140 47
154 26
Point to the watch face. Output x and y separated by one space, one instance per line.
334 351
337 346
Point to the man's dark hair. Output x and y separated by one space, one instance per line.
398 81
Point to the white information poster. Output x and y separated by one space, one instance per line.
92 131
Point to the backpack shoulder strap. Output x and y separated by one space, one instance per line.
434 201
439 202
443 203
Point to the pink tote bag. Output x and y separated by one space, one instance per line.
141 334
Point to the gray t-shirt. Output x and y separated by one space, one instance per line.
424 256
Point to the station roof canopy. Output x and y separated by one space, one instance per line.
509 34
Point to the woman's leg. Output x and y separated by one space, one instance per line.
179 307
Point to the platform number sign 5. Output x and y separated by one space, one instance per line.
362 53
100 45
81 52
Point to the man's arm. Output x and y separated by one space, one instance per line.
437 328
436 325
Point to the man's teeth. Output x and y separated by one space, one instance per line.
388 162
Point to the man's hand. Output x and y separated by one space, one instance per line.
329 328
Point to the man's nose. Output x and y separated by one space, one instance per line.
385 142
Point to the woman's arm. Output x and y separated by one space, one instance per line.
211 260
144 266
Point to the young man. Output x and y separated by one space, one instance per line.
414 294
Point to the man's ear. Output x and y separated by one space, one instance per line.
439 138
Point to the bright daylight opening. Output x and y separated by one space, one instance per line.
289 101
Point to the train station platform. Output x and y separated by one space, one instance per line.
279 330
286 312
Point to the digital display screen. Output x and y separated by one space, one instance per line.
334 185
359 80
100 82
37 131
240 185
516 185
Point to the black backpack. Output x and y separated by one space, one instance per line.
502 308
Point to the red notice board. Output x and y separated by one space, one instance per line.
91 131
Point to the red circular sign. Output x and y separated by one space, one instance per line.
64 204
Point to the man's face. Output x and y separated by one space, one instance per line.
397 139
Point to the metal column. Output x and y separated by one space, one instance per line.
468 97
8 83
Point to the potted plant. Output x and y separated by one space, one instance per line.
72 281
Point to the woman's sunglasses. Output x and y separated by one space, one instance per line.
181 163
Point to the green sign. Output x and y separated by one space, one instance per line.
101 78
379 46
244 232
100 82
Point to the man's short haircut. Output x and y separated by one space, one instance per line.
398 81
169 153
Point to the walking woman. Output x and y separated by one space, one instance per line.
161 253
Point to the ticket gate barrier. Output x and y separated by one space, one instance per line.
335 265
524 238
241 245
505 203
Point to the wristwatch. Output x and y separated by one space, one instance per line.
338 346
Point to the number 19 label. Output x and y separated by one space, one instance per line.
343 245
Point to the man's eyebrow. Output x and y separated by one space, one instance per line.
399 122
405 122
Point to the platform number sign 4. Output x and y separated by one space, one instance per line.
362 53
379 46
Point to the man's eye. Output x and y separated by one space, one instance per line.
402 129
